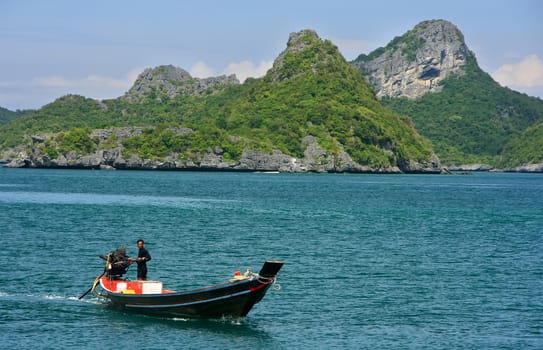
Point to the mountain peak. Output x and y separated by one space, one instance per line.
414 63
298 40
170 81
438 29
305 53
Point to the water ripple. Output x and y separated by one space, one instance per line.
105 199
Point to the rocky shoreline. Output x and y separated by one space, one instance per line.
250 161
470 168
315 160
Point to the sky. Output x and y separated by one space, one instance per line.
97 48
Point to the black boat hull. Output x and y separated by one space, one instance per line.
231 299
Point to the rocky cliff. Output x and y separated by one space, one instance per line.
112 156
414 64
469 117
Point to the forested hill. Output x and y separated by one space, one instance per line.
430 75
311 112
6 115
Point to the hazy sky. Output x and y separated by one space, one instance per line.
97 48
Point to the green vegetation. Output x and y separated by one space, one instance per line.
77 140
64 114
316 93
6 115
157 143
312 91
526 148
472 119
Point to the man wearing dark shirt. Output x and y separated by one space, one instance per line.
143 258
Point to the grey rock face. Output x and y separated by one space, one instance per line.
471 167
415 63
528 168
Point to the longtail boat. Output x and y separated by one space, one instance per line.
234 298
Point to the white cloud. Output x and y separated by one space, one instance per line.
242 70
246 69
91 82
201 70
50 82
527 73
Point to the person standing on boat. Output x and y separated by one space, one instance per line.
143 258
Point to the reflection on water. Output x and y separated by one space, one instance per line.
105 199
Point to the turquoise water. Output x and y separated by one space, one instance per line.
372 261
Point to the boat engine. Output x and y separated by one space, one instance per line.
117 262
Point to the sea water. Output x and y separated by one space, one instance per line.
371 261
